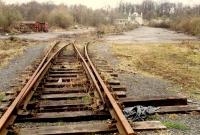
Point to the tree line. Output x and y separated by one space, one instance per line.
56 15
64 16
152 9
175 16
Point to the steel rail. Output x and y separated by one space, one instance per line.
41 64
91 75
27 88
122 124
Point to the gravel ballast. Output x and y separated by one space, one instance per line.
11 72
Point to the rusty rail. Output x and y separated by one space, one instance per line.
122 124
41 64
105 95
7 117
91 75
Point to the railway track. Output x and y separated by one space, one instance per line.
65 95
68 94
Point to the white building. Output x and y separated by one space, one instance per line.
138 18
134 18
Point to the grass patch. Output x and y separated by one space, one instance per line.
9 49
178 62
153 117
2 96
87 99
175 125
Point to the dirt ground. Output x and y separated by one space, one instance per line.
141 84
149 35
135 82
16 66
50 35
176 62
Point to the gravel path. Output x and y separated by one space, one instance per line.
9 73
142 85
189 121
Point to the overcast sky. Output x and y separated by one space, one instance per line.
100 3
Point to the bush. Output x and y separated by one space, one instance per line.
42 17
186 24
195 26
104 29
2 20
60 18
115 29
160 24
190 25
9 16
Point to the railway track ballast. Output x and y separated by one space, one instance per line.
65 95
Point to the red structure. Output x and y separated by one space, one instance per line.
28 26
42 26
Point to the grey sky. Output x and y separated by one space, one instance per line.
100 3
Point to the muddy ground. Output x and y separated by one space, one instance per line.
147 85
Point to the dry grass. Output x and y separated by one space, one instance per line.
115 29
178 62
9 49
2 96
190 25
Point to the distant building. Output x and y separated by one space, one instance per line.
172 10
121 21
138 18
134 18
